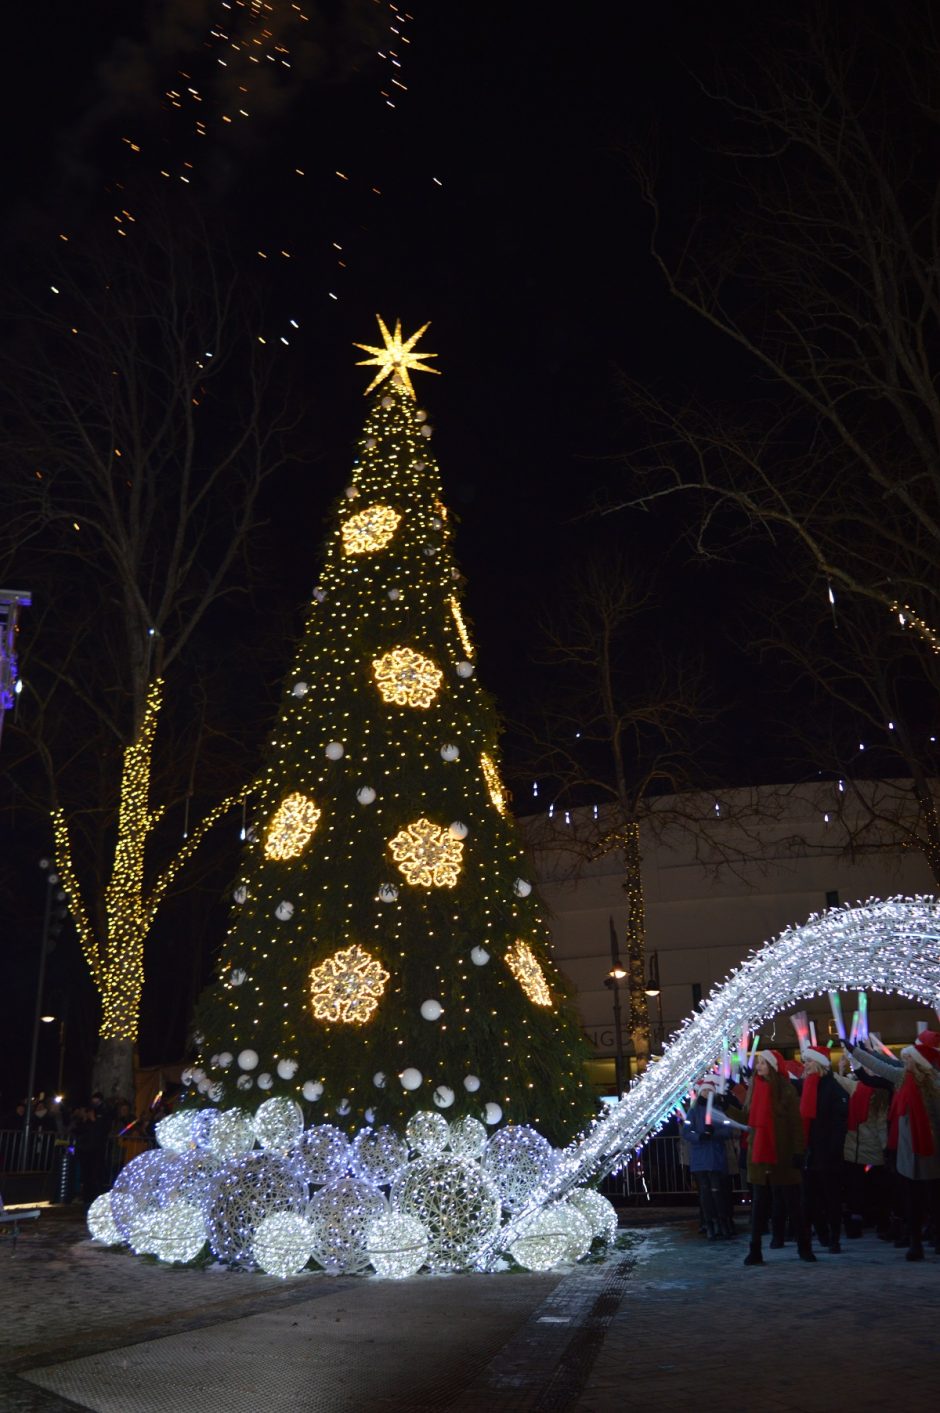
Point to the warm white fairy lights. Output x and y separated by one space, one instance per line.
428 1133
427 854
455 1203
370 530
397 1246
291 826
522 962
347 987
407 678
340 1216
460 625
494 784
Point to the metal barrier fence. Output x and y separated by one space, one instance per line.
18 1155
657 1171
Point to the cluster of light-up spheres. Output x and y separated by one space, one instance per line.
265 1192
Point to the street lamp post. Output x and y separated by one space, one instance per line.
613 979
653 988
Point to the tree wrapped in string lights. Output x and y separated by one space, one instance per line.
387 954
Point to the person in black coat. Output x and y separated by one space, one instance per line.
824 1108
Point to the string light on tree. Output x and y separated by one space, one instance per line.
494 784
524 966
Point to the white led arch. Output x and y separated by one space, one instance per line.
883 945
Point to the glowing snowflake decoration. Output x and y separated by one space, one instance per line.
370 530
454 1202
427 855
347 987
522 962
407 678
291 826
494 784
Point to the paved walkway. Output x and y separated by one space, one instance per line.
667 1321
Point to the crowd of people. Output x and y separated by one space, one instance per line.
827 1148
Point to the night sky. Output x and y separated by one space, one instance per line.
495 199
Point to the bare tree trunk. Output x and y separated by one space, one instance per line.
113 1071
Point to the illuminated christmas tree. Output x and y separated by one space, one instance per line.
387 953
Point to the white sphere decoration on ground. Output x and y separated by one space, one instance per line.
278 1123
340 1216
142 1231
411 1078
142 1185
242 1194
101 1223
541 1240
177 1231
518 1161
443 1096
492 1113
233 1134
455 1203
378 1155
312 1090
287 1068
365 795
322 1155
479 956
397 1246
195 1175
175 1132
431 1010
335 750
428 1133
247 1059
600 1213
283 1244
468 1138
577 1229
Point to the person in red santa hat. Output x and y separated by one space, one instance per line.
914 1119
824 1107
774 1157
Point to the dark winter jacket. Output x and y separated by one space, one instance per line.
788 1132
824 1149
707 1142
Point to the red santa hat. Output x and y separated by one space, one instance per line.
710 1081
773 1058
925 1050
816 1055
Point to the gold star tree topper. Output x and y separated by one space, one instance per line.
396 358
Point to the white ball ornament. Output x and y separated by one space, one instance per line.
242 1195
237 976
179 1233
278 1123
431 1010
426 430
186 1077
240 894
450 752
284 911
335 750
387 402
215 1092
454 1202
319 595
479 956
265 1081
428 1133
394 595
351 492
444 1096
286 1069
340 1215
598 1211
421 415
225 1059
411 1078
175 1132
492 1114
199 1074
370 1116
311 1090
517 1161
370 442
465 669
248 1060
365 795
541 1240
377 1155
522 888
387 893
458 829
299 689
471 1083
379 1079
203 1086
343 1107
244 1081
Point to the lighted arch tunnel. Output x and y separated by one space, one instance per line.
886 945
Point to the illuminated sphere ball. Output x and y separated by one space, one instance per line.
278 1123
177 1231
542 1240
577 1228
283 1244
232 1134
143 1185
600 1214
322 1155
101 1223
377 1156
340 1216
397 1246
142 1231
428 1133
203 1121
454 1202
516 1160
175 1132
245 1192
467 1139
195 1176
